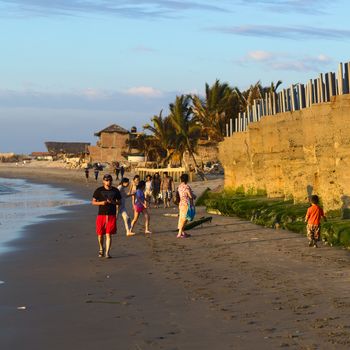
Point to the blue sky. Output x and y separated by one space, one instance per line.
72 67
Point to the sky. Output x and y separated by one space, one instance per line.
70 68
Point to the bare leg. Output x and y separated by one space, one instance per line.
100 244
126 220
134 221
182 223
147 221
108 245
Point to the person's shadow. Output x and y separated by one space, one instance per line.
309 190
345 208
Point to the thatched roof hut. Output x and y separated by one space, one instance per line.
112 129
72 148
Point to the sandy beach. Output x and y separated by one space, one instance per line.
232 285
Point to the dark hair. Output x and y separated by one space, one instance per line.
136 177
165 173
141 185
156 174
184 178
314 199
149 176
124 180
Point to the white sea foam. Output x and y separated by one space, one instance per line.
23 203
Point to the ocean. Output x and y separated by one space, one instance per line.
23 203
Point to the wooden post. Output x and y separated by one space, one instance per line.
319 90
236 123
301 93
332 85
280 104
231 127
326 88
283 98
292 98
266 105
227 133
346 78
323 88
316 91
254 112
288 102
270 103
274 100
340 79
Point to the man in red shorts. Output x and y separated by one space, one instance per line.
106 198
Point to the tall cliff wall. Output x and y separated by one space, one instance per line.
294 154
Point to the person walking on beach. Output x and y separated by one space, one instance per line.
86 171
186 205
96 171
133 187
156 188
117 170
148 189
140 206
167 187
122 171
313 219
106 198
124 184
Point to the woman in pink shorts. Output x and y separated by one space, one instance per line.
140 206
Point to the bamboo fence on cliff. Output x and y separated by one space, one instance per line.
297 97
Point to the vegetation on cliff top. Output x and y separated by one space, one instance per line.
193 117
275 213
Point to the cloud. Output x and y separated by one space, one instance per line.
94 94
259 55
314 7
292 32
125 8
144 91
139 99
287 62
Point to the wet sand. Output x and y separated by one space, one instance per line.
232 285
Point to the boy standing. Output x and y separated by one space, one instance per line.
167 187
106 198
313 219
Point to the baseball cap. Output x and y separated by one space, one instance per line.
107 177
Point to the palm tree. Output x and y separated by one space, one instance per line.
144 143
256 91
163 135
186 129
273 87
215 110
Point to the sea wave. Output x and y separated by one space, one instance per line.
23 203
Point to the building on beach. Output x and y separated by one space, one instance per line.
69 149
114 144
41 156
